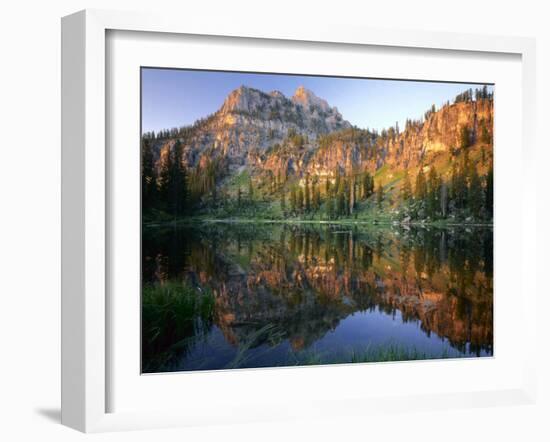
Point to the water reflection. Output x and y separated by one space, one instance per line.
301 294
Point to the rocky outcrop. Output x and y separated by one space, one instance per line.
440 132
271 134
251 121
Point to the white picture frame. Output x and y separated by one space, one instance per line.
85 202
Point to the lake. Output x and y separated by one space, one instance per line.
220 295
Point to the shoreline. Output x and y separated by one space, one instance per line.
373 223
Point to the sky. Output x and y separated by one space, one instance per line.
178 97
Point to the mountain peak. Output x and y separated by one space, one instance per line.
274 114
302 91
306 98
238 99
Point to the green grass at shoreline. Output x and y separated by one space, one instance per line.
378 353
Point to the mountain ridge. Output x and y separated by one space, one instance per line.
281 142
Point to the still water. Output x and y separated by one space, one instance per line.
237 295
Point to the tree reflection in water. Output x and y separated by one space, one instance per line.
287 294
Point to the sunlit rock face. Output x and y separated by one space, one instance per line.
307 99
251 121
356 150
271 135
440 132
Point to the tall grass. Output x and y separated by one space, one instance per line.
390 352
394 352
174 316
267 333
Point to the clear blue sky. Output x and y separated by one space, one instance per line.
173 97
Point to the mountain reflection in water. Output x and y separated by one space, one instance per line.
233 295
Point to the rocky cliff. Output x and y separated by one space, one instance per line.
269 134
251 121
357 150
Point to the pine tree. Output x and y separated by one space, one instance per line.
341 199
380 195
250 189
316 196
178 181
485 136
351 204
460 186
475 193
330 207
464 137
443 196
148 175
371 185
300 200
164 179
489 193
327 187
366 185
347 194
406 189
453 182
307 195
293 199
272 183
420 190
434 190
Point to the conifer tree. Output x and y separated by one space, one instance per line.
148 175
250 189
316 196
371 185
366 185
434 185
178 181
489 193
307 195
293 199
464 137
380 195
341 199
164 178
300 200
475 193
461 190
406 190
347 196
420 189
330 207
327 187
485 136
443 197
351 198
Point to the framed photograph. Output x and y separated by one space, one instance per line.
275 232
275 223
